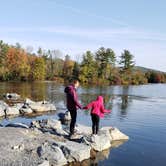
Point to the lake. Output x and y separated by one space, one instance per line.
138 111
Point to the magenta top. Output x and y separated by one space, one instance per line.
97 107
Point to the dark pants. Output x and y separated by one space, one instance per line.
95 123
73 114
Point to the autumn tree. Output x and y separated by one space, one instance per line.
38 68
68 67
17 63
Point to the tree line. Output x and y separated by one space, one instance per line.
101 67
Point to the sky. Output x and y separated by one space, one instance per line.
75 26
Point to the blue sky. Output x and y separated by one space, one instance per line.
74 26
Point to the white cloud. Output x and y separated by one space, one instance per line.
93 33
148 47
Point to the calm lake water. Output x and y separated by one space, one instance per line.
138 111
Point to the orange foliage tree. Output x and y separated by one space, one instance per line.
17 63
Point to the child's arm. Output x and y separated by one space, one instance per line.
88 106
103 110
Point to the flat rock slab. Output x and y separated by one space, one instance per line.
19 145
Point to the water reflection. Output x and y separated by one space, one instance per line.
124 101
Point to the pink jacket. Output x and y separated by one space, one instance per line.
97 107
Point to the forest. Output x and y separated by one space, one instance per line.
99 68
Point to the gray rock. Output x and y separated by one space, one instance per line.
3 107
116 134
47 124
18 147
17 125
12 96
25 110
28 101
11 111
22 144
84 130
44 163
74 151
52 153
67 116
38 107
99 142
2 112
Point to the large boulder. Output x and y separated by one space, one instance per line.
84 130
74 151
52 153
116 134
46 124
42 107
99 142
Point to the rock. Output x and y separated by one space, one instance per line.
52 153
12 96
18 147
20 142
38 107
18 125
116 134
12 111
28 101
84 130
47 124
74 151
61 132
65 116
3 107
99 142
45 163
25 109
2 112
42 102
3 104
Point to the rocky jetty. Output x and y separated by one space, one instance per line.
26 107
46 142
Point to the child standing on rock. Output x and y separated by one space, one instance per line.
97 112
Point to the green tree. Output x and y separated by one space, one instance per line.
3 68
76 70
88 68
126 60
105 58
